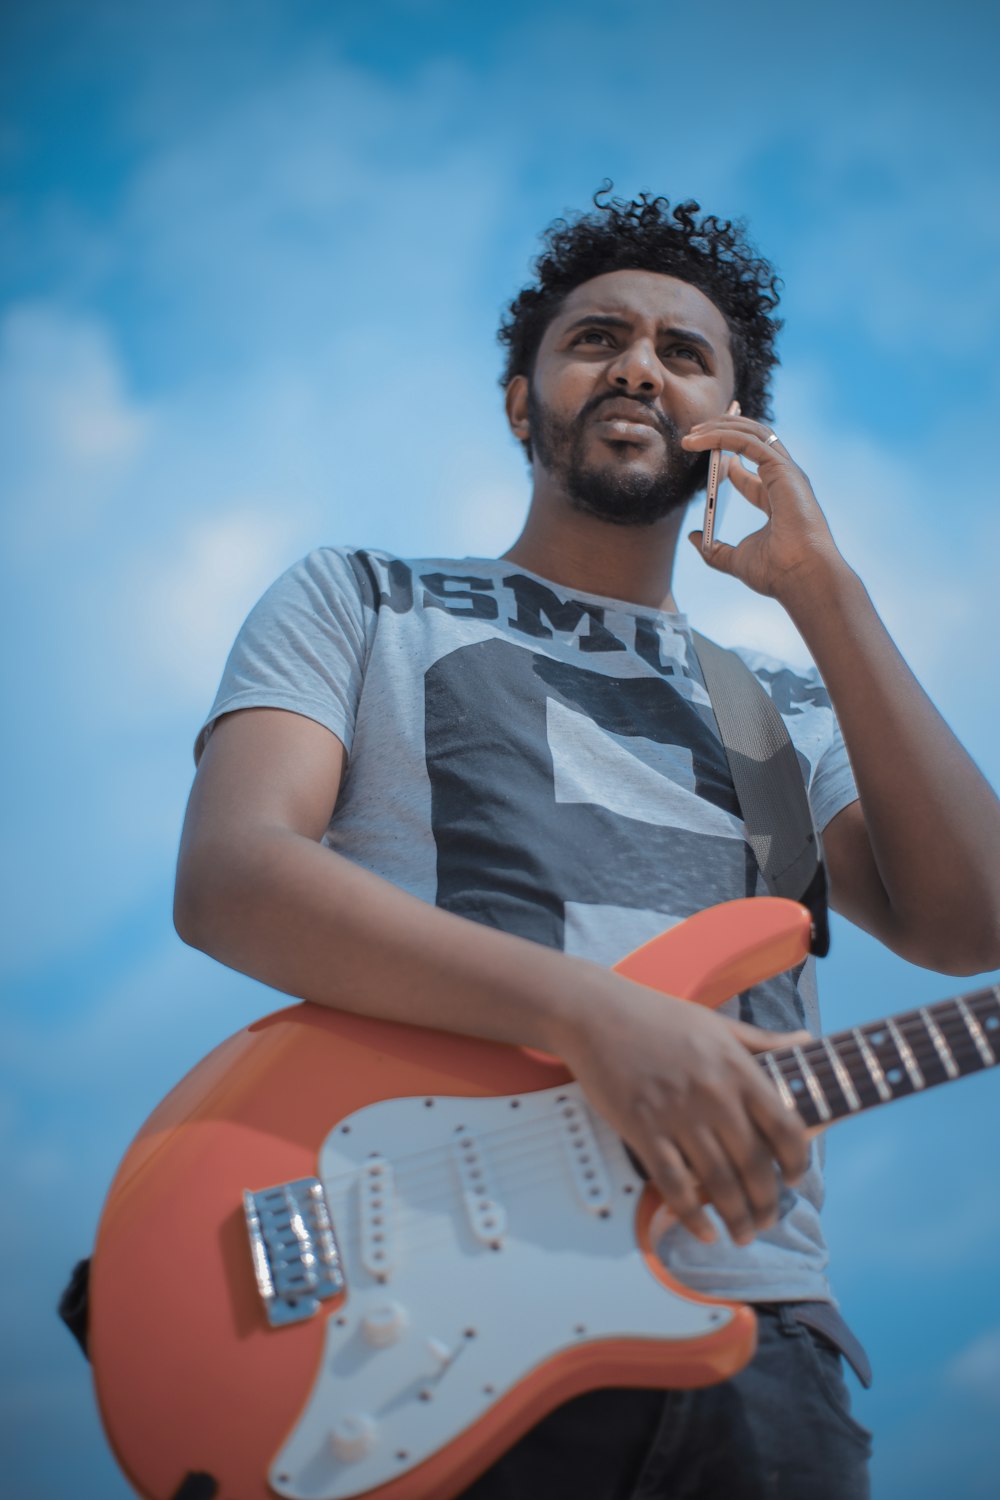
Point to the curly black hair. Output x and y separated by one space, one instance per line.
713 254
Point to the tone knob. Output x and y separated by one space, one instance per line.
383 1324
352 1437
439 1353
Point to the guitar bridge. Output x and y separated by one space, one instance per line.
294 1250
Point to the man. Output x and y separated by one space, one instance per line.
438 792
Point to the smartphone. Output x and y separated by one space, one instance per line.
712 491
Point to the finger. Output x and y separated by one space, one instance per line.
734 423
679 1190
718 555
759 1039
736 439
748 485
779 1122
735 1182
781 1128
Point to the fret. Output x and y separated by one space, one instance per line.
940 1045
902 1054
873 1065
813 1085
977 1033
860 1074
906 1055
778 1080
947 1015
842 1075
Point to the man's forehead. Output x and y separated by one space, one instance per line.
646 295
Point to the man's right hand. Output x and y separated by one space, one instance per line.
680 1085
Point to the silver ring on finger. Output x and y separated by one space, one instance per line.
772 439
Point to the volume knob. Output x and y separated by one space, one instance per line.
351 1437
384 1323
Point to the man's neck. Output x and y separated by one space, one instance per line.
634 563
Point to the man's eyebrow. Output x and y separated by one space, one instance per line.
612 320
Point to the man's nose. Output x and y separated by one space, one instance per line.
637 369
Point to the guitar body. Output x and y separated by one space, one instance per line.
498 1296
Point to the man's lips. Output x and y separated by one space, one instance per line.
625 421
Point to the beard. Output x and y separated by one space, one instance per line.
614 491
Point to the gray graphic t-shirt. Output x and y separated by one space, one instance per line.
545 762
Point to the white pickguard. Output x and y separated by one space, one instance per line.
444 1323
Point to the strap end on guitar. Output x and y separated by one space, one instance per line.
814 899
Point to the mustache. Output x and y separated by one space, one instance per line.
667 428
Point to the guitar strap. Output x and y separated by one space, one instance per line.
772 795
767 775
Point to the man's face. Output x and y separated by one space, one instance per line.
630 363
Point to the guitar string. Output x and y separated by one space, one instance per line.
945 1014
959 1041
524 1127
416 1223
518 1145
533 1169
439 1180
440 1160
881 1044
965 1052
412 1213
419 1227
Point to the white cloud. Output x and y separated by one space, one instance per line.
185 607
162 1013
925 201
322 202
975 1370
69 429
489 513
884 502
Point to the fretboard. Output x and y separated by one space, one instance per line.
850 1071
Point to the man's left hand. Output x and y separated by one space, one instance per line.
795 539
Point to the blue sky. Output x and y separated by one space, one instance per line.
252 259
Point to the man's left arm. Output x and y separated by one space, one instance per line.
916 861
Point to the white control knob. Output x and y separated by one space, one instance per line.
440 1353
352 1437
383 1324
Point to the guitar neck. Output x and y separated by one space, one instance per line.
850 1071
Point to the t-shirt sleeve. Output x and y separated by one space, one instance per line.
303 647
831 786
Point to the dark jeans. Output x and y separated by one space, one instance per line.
780 1430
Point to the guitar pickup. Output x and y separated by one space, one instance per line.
586 1162
296 1259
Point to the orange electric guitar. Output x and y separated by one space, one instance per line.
355 1258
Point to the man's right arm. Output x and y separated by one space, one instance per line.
257 890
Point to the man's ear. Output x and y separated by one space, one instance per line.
516 403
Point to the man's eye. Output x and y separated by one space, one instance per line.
592 334
686 352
